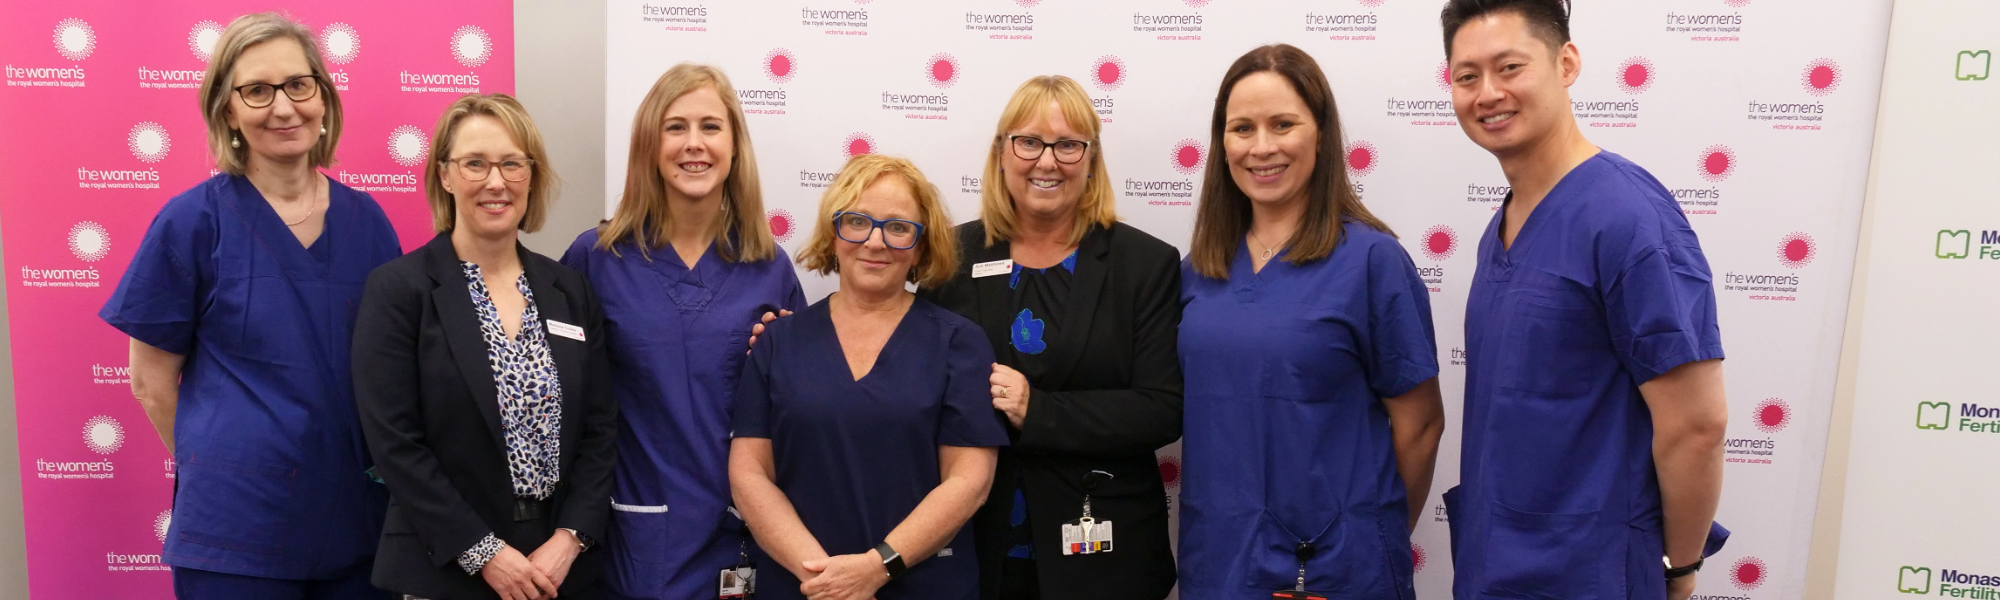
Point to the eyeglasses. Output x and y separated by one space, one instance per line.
1028 147
260 95
898 234
479 169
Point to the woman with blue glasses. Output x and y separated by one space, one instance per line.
857 475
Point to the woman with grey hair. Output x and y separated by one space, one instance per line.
240 303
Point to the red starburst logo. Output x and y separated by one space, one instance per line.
1371 3
1821 77
1736 3
1196 3
1748 573
1188 156
780 64
1027 3
782 224
1636 75
1108 73
1444 76
942 70
1417 557
857 144
1772 415
1440 242
1796 250
1717 163
1361 158
1170 471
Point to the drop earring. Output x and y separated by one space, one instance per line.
322 131
235 142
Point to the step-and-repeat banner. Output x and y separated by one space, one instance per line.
1758 114
1919 516
101 125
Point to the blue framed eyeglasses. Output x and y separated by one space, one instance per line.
898 234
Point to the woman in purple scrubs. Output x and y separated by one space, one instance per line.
683 269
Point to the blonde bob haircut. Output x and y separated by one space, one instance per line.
996 204
937 251
504 108
217 88
742 234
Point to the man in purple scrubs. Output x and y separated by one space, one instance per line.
1594 408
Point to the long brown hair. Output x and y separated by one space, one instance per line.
741 235
1222 217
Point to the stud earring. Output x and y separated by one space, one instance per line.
322 131
235 142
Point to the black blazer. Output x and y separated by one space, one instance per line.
431 414
1112 400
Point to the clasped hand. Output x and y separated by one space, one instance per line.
845 577
533 577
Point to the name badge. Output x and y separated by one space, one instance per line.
737 583
566 330
989 269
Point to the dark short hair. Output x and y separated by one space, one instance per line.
1548 18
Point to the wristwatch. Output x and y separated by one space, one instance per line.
891 561
582 541
1674 572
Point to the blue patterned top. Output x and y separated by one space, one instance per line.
530 401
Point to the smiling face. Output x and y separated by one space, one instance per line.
1270 139
1046 187
489 208
872 267
284 131
696 145
1509 86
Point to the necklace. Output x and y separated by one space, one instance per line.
1268 250
310 201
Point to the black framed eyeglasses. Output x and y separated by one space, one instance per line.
898 234
479 169
1028 147
260 95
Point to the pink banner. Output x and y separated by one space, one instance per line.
99 126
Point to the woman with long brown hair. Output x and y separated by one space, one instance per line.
1313 412
684 267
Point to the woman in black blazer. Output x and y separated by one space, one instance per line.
1082 312
480 374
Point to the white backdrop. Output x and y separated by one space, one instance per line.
1920 501
1757 113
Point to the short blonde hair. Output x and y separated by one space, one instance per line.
242 33
996 203
510 113
937 251
642 216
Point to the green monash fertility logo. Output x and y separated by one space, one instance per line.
1950 582
1934 415
1974 65
1958 244
1913 580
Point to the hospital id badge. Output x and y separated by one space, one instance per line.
737 583
1296 595
1086 536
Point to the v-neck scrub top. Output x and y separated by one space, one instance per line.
855 457
272 469
1287 440
676 338
1604 288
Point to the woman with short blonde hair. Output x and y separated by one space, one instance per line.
685 267
240 302
1087 377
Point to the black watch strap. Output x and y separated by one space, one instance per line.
891 561
1674 572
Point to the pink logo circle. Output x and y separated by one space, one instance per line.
1361 158
1440 242
1636 75
942 70
1772 415
1717 163
1796 250
1736 3
1188 156
1417 557
1196 3
859 143
75 40
779 65
1108 73
1027 3
1371 3
1821 77
782 225
1170 471
1444 76
1748 573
